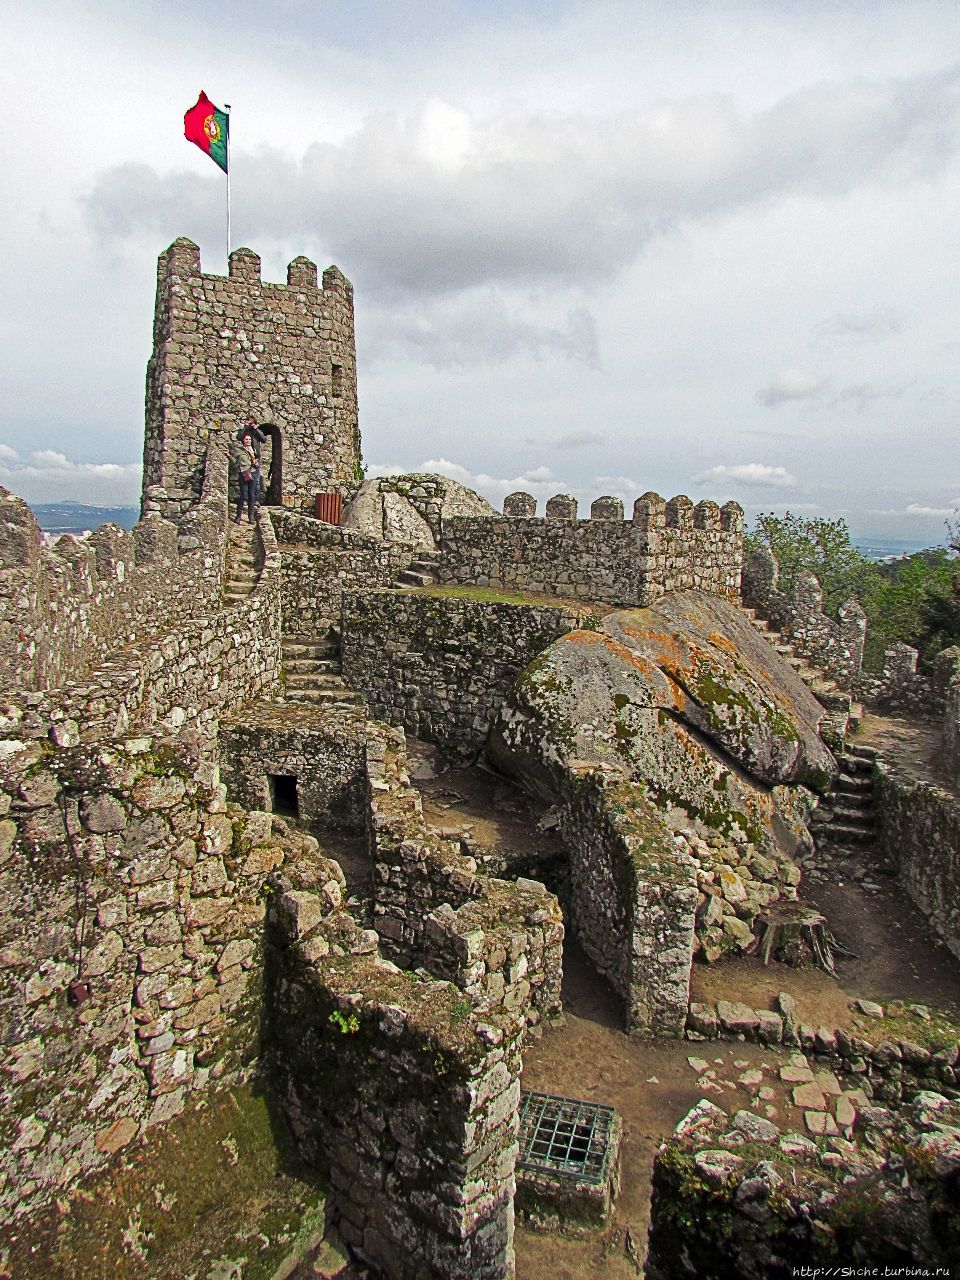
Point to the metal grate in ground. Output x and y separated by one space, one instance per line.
565 1137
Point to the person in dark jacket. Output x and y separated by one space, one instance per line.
244 458
257 441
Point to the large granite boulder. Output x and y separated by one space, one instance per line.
684 697
411 508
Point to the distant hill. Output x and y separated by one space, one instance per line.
69 517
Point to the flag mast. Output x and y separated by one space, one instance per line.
229 167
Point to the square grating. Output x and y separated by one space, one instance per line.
565 1137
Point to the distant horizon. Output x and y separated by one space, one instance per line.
874 546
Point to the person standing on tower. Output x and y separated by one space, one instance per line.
244 458
257 440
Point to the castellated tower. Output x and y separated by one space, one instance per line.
228 348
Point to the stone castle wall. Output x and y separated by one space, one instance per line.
322 561
400 1093
836 645
137 879
64 608
919 838
667 546
633 897
226 348
441 666
499 941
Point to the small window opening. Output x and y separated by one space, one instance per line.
336 374
283 794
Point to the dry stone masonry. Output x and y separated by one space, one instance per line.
667 546
228 348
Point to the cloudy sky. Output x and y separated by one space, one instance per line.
599 246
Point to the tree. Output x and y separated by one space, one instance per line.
914 600
820 545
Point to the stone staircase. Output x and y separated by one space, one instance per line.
845 817
421 572
243 563
842 714
312 673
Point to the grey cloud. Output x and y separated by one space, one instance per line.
581 440
794 385
857 328
443 202
471 330
811 390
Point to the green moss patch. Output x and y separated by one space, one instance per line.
217 1193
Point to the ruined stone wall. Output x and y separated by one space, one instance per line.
63 609
325 750
185 679
919 831
732 1196
441 666
947 679
398 1091
321 561
225 348
499 941
122 867
834 646
667 546
633 897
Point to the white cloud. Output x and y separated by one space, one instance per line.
451 200
918 509
749 473
50 476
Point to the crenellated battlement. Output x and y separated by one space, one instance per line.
227 348
65 608
666 545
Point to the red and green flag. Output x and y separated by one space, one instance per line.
208 128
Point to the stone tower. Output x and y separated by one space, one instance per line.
227 348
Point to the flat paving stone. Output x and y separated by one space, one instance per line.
809 1097
792 1074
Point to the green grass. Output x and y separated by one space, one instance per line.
218 1187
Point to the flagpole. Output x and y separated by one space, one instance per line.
229 168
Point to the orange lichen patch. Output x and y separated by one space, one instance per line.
722 642
588 638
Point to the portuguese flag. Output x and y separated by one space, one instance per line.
208 128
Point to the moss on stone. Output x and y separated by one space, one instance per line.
217 1185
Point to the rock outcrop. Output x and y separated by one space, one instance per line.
411 508
685 698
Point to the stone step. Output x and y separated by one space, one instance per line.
333 696
862 751
836 700
855 784
318 652
317 680
328 666
409 578
855 766
846 833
